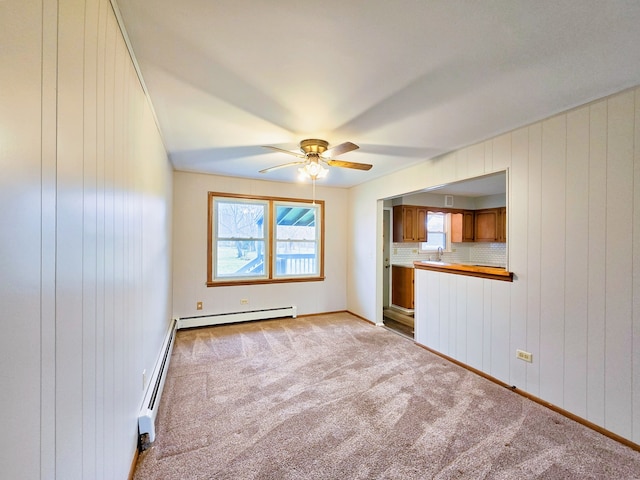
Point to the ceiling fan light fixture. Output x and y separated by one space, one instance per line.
313 170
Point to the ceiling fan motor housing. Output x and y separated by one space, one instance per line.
313 146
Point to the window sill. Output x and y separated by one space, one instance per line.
266 281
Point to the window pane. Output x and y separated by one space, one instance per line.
295 223
262 239
296 258
240 258
296 240
435 222
435 240
240 220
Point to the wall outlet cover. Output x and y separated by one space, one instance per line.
526 356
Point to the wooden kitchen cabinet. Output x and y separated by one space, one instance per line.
409 223
491 225
502 224
462 226
402 286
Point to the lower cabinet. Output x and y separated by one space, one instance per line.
402 286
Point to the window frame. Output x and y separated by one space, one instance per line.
275 240
423 247
270 240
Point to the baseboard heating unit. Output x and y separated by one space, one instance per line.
219 319
151 402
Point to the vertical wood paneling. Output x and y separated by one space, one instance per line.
488 156
475 319
597 247
500 319
444 314
21 197
618 288
119 249
108 379
433 311
462 164
534 252
452 328
89 254
500 329
475 161
69 261
635 369
73 207
48 240
574 238
448 168
517 211
487 325
420 313
577 251
461 321
552 262
502 152
101 97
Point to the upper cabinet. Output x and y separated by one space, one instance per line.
475 207
462 226
491 225
409 223
502 224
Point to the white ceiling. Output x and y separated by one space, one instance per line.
406 80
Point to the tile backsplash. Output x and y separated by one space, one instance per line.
480 253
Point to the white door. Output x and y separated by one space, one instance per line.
386 250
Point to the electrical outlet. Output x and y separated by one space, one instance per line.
395 251
244 301
526 356
415 250
199 306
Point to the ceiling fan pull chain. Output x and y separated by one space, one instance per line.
313 180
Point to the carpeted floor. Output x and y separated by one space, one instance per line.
333 397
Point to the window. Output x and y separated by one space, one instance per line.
438 227
264 240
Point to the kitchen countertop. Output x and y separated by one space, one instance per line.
482 271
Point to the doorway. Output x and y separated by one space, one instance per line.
392 318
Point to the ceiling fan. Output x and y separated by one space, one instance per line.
314 153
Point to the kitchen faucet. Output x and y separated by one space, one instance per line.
439 254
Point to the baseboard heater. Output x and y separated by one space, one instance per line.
151 402
219 319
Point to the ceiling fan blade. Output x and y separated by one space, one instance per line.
357 166
282 166
288 152
340 149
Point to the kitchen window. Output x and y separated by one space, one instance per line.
255 240
438 228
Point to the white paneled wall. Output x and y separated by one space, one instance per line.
574 248
85 243
22 262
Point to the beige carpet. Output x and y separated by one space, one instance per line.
333 397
